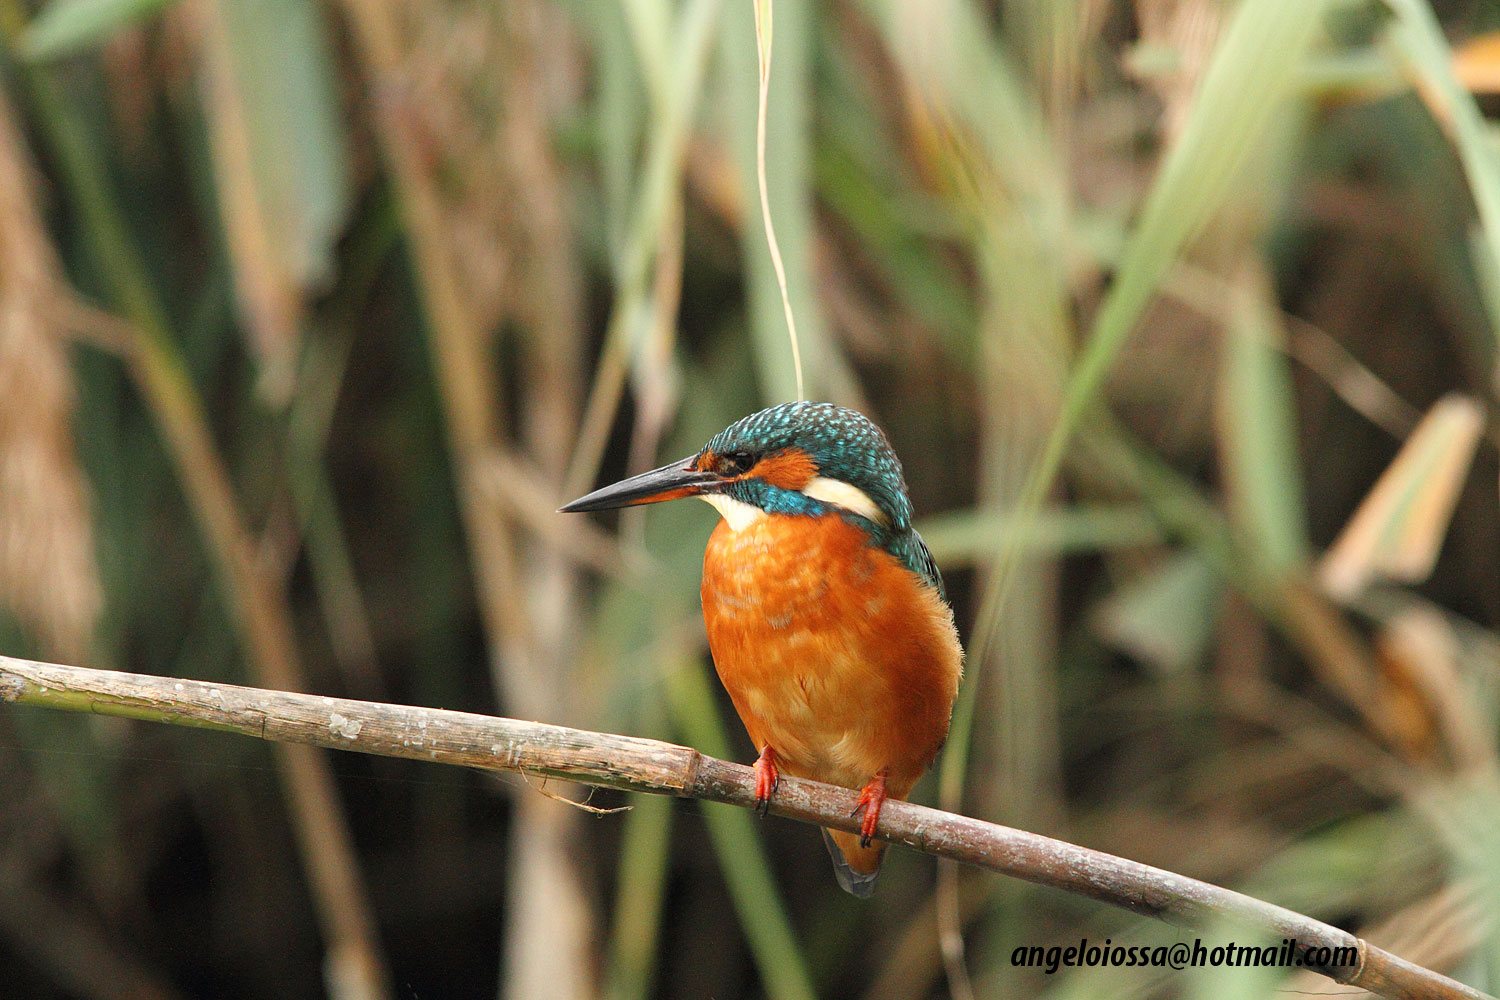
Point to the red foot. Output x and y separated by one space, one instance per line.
766 779
870 800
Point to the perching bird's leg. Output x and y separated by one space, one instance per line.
870 800
766 779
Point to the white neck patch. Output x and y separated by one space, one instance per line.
736 513
850 498
741 515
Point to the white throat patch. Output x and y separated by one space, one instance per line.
738 514
850 498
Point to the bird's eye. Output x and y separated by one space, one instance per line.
736 462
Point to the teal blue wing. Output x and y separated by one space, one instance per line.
912 551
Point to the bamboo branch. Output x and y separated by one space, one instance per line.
641 765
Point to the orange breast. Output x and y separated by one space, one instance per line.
835 654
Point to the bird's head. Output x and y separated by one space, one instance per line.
796 458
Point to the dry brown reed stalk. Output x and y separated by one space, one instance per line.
1396 532
1209 286
635 764
1419 651
453 51
545 304
541 75
765 21
654 377
1189 28
134 76
1012 198
268 290
48 578
1438 932
79 957
523 490
36 922
354 966
536 72
459 336
1206 293
491 242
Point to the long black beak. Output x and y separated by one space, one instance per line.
673 480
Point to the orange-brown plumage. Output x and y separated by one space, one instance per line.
837 656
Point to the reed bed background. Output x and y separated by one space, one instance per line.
1183 316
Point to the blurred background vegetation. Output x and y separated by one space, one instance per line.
311 314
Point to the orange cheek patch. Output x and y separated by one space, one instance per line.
788 470
706 462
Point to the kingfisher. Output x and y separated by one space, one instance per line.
825 613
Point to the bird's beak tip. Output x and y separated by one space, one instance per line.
679 479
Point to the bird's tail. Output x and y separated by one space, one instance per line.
854 866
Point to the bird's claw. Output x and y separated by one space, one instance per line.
871 798
767 778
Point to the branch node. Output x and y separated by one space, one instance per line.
689 788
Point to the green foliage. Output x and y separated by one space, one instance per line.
69 26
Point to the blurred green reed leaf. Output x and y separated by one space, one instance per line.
1254 66
1422 51
1238 982
1359 75
1250 73
1166 616
675 89
81 776
954 56
654 198
1348 865
277 136
1486 272
1399 527
282 96
651 29
643 625
1005 174
964 537
69 26
619 112
890 234
742 858
789 178
765 19
1462 814
1258 432
640 891
1356 75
